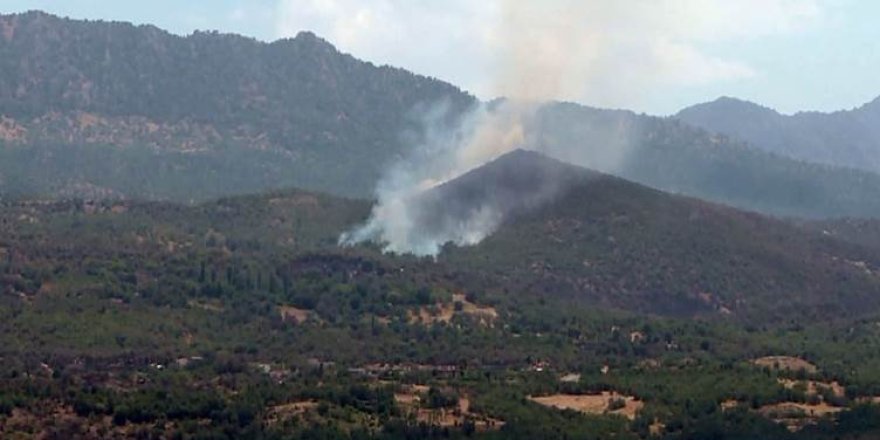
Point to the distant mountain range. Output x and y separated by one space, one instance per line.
98 109
844 138
676 157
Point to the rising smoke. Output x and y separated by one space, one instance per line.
537 45
446 153
545 51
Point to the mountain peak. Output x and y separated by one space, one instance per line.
522 169
727 105
311 40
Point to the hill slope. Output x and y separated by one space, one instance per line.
96 109
676 157
295 112
844 138
613 242
231 318
593 238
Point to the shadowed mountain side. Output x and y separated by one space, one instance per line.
676 157
601 241
511 185
619 244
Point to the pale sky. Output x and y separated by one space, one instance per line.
653 56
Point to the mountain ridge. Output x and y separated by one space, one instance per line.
847 138
683 256
141 113
299 100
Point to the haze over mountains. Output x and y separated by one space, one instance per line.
568 231
848 138
96 109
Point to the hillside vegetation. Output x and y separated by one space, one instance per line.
144 319
295 112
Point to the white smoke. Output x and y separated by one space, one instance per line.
537 64
600 50
446 153
668 53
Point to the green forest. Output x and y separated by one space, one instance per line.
241 318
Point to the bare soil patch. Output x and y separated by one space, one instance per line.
444 312
729 404
288 411
410 400
795 416
211 306
813 387
785 363
592 403
570 378
293 314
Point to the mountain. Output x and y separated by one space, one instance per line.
110 110
676 157
195 117
241 318
583 235
569 231
509 186
844 138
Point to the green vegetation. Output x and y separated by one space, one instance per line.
152 319
614 311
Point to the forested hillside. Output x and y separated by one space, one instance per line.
295 112
97 109
242 318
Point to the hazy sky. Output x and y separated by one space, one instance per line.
655 56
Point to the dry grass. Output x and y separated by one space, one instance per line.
656 428
812 387
785 363
592 403
410 401
729 404
797 415
293 314
570 378
287 411
444 312
211 306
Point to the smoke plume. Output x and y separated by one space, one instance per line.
544 51
536 48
